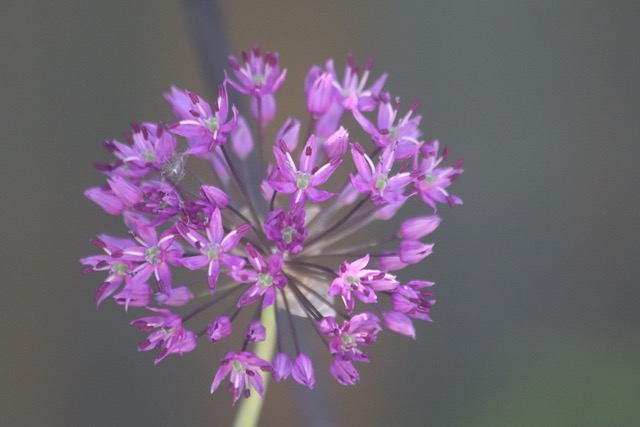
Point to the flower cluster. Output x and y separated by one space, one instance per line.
259 231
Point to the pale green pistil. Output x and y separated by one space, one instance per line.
347 342
288 233
353 281
151 255
212 124
264 280
212 251
119 268
237 366
303 180
149 156
382 182
258 79
429 178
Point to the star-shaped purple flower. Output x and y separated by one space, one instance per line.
354 279
265 278
244 368
375 180
214 249
302 182
169 335
206 128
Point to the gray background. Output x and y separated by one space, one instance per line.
537 274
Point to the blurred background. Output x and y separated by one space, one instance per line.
538 274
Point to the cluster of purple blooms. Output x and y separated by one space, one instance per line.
284 239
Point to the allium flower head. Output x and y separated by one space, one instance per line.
272 234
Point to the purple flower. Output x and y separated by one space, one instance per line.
302 371
219 328
353 93
281 367
336 144
189 200
286 229
265 278
153 256
119 270
404 134
214 249
301 182
354 280
344 372
433 181
255 332
412 300
418 227
260 75
400 323
375 180
320 95
206 128
244 368
150 148
360 330
168 336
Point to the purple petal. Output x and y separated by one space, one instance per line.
215 196
399 323
215 226
289 133
178 297
194 262
255 332
344 372
281 367
241 139
106 199
316 195
416 228
302 371
362 161
336 144
414 251
219 328
127 192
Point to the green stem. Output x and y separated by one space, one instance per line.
249 410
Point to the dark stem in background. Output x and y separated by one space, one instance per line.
209 33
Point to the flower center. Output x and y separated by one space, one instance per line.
212 251
429 178
347 342
212 123
258 79
151 255
264 280
119 268
303 180
288 233
237 366
149 156
353 281
382 182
